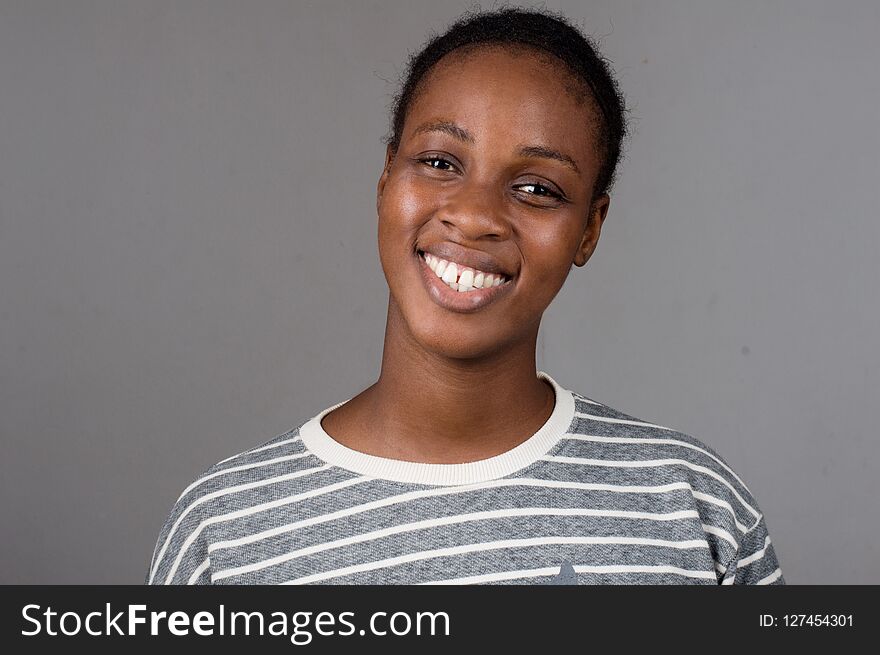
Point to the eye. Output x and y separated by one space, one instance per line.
437 163
540 190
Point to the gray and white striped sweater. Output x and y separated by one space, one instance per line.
594 497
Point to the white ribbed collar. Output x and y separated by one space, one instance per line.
331 451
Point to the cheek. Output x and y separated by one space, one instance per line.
549 255
398 227
403 202
403 211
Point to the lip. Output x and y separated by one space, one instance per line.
466 302
475 259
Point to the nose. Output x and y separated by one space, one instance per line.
476 211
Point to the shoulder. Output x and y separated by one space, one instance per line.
596 418
659 453
674 472
215 495
251 468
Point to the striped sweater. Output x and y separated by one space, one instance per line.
593 497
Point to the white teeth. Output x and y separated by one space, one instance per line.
450 274
468 280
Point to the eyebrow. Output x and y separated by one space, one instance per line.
461 134
549 153
447 127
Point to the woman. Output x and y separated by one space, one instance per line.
462 463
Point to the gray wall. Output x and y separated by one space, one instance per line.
188 259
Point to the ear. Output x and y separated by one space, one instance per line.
595 218
389 160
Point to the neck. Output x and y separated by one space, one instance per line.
430 407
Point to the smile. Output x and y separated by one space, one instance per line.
462 278
460 288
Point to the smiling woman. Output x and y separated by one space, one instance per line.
462 463
495 162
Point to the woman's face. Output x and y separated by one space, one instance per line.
494 174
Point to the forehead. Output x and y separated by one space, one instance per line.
504 89
517 56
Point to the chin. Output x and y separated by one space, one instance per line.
440 332
438 341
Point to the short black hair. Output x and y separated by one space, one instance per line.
539 29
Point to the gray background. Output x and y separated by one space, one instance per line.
188 259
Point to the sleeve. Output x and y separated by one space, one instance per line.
755 562
181 552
